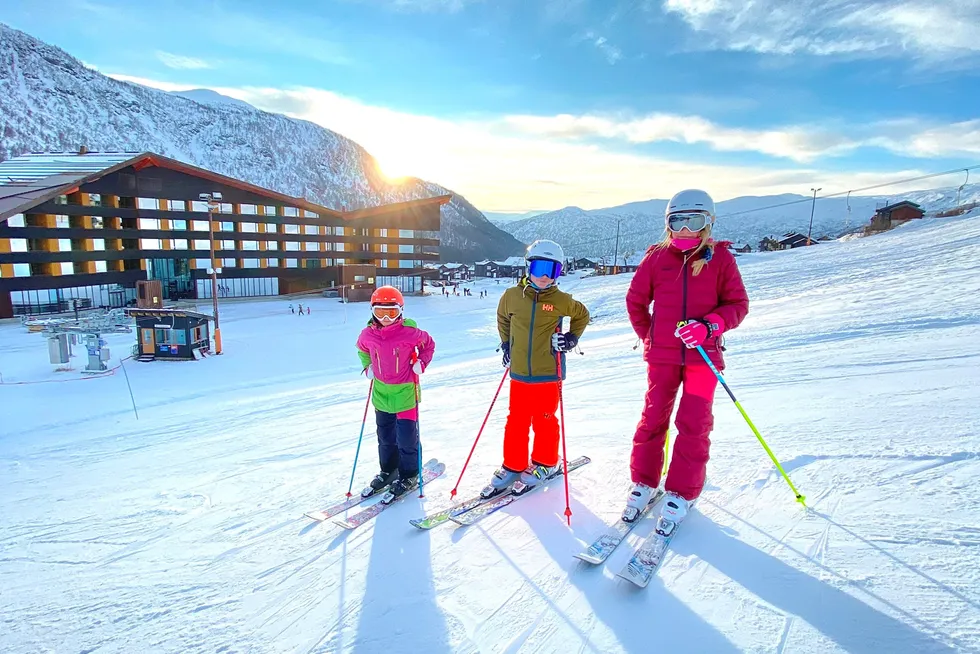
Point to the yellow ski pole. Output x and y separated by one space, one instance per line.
799 498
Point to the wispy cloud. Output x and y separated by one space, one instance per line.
422 6
609 51
500 167
800 143
181 62
933 29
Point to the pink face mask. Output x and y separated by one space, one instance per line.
685 244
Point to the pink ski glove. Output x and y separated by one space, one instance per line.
696 332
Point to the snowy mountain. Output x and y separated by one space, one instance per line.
742 220
182 530
207 96
49 101
500 217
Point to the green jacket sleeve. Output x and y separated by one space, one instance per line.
579 315
503 318
364 357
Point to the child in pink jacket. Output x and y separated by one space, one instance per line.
394 352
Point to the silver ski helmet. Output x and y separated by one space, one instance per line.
545 259
691 208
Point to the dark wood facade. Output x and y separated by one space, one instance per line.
170 333
893 214
105 219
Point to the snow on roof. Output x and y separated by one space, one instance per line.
32 167
516 262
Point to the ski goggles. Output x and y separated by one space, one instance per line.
544 268
693 220
386 312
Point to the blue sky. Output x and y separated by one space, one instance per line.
536 104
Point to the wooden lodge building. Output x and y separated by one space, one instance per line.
87 226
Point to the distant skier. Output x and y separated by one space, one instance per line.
527 317
291 309
697 295
394 352
308 313
301 309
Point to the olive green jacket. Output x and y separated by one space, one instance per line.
526 318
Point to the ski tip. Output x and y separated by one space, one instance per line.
588 559
636 581
344 524
315 516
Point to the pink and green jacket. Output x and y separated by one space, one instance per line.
390 351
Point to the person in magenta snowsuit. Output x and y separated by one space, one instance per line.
394 352
688 278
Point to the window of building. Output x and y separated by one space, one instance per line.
290 263
338 231
198 205
100 267
147 203
228 263
16 220
18 245
61 221
61 199
64 245
248 209
250 245
202 264
67 268
94 200
360 278
149 223
290 229
22 270
272 263
200 225
202 244
178 225
290 211
311 263
225 207
177 205
98 244
406 233
340 247
250 263
97 222
272 245
291 245
227 245
309 214
383 233
250 228
226 226
151 244
270 228
179 244
312 247
310 229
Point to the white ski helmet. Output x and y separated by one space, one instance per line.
544 249
691 200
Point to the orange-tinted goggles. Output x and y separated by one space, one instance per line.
386 313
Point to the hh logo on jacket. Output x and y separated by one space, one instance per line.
548 307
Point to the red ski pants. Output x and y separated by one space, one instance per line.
531 405
694 422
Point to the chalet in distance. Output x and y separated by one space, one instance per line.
87 226
895 214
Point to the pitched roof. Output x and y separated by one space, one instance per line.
514 262
903 203
31 179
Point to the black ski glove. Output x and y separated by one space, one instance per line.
564 342
506 348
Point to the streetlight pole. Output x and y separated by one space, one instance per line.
616 254
812 207
213 199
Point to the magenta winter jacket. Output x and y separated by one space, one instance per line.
666 279
390 350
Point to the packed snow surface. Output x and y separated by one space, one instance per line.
183 531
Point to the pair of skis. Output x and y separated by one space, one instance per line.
648 555
431 470
478 507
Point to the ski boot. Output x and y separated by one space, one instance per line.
500 482
637 501
674 509
380 480
531 477
401 486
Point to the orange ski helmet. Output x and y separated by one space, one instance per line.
388 295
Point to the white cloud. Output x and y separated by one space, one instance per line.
501 168
934 29
611 52
180 62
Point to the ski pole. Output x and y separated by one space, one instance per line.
799 498
564 452
452 493
418 435
361 437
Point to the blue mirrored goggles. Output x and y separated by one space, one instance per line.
693 220
544 268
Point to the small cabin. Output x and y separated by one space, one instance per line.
171 334
895 214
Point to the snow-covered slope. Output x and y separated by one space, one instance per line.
183 531
741 220
50 101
